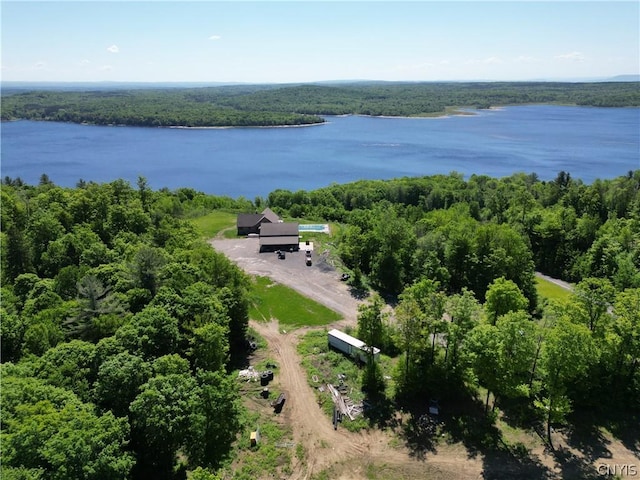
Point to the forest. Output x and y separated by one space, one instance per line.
118 326
121 326
290 105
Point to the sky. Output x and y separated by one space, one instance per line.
310 41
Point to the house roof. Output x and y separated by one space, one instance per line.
249 219
280 240
270 215
279 229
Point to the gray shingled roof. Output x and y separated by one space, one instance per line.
278 229
249 219
270 215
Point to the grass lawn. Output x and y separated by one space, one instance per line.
273 300
213 223
550 291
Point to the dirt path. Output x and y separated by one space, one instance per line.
556 281
314 430
349 454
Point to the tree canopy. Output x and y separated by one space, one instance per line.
118 326
272 105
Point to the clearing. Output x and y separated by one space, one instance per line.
387 454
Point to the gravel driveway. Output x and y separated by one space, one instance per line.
320 281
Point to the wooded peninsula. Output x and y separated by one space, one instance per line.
291 105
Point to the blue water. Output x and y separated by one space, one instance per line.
587 142
313 227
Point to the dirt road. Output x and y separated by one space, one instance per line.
560 283
349 455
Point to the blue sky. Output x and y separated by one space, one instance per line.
296 41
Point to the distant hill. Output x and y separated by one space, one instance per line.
625 78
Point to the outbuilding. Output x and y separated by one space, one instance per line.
279 236
351 346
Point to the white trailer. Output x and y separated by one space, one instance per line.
351 346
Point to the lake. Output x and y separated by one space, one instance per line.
587 142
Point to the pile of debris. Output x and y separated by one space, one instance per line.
343 403
249 374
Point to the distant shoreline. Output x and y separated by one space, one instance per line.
185 127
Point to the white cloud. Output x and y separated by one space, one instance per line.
113 49
485 61
84 61
525 59
215 37
573 56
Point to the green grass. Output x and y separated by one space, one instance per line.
323 365
550 291
265 459
272 300
213 223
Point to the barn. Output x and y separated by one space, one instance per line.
279 236
351 346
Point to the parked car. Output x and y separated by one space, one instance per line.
345 276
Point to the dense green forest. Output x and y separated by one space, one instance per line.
270 105
120 325
465 233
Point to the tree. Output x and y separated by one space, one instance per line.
408 317
567 352
432 305
626 327
210 347
595 295
94 300
150 333
465 313
16 255
145 268
161 419
144 193
43 228
503 296
217 421
119 380
70 365
395 244
371 330
12 330
47 429
517 336
371 322
483 346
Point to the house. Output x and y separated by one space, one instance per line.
279 236
352 346
247 223
271 216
